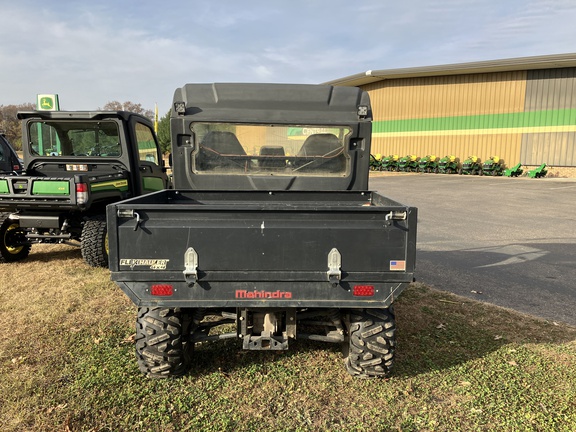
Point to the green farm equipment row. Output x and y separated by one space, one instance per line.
450 164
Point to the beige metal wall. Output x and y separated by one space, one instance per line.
454 100
554 91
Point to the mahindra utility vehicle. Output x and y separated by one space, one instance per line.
270 233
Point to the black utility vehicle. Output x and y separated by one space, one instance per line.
270 230
9 162
76 163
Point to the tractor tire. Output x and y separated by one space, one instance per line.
94 242
372 342
162 350
11 247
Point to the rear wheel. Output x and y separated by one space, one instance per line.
13 246
94 242
161 348
372 341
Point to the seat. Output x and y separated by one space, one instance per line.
217 151
322 152
276 161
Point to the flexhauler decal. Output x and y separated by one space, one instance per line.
152 264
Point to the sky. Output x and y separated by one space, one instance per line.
94 52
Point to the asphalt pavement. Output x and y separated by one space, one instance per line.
506 241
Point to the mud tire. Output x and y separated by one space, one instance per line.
372 342
161 347
94 242
8 252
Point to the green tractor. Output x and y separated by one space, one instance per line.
492 166
408 163
515 171
472 165
428 163
449 164
390 163
376 162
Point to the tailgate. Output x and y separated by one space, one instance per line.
22 191
218 243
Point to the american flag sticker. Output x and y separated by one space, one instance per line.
398 265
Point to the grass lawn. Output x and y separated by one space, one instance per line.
67 364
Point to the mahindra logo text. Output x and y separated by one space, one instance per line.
263 294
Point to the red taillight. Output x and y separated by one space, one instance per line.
363 290
162 290
81 187
81 193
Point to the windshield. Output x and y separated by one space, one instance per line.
74 138
271 149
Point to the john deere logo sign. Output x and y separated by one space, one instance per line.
47 103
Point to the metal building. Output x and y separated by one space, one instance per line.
522 110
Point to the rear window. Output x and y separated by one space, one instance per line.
74 138
297 150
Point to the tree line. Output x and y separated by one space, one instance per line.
11 127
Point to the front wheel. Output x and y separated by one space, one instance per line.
13 245
161 348
94 242
372 341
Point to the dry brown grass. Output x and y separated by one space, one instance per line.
67 364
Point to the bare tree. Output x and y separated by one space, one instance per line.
128 106
10 125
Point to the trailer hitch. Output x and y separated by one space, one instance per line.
190 266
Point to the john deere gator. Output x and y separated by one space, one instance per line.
76 163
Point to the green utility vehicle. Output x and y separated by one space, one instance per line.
76 163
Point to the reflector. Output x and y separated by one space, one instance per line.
363 290
161 290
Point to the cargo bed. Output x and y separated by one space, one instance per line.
262 249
